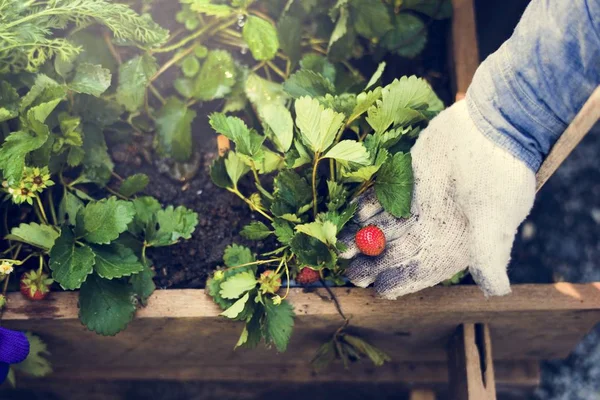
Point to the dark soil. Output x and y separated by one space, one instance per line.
221 214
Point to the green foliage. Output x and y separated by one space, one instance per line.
78 74
54 156
305 205
36 364
26 40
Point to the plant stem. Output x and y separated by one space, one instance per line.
260 262
250 204
257 181
262 15
314 182
119 195
156 93
41 267
335 301
112 49
41 207
189 38
276 69
52 210
18 262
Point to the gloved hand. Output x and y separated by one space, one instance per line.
14 348
474 164
470 196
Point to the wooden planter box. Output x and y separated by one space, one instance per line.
180 336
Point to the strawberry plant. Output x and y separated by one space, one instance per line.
318 149
77 76
64 208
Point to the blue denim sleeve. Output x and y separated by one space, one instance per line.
525 94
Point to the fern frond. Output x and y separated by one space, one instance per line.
27 27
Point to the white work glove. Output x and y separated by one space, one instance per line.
470 196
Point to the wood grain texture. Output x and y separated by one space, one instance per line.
179 335
581 125
470 364
422 395
465 52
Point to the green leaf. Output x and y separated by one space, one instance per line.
317 125
341 27
377 356
36 364
291 192
371 18
255 230
289 31
309 250
9 102
237 255
216 77
42 236
171 224
218 174
106 306
261 91
308 83
208 8
97 163
349 151
283 231
237 307
134 76
145 208
143 284
325 355
133 184
324 231
403 102
70 262
437 9
68 208
278 118
232 127
319 64
376 75
103 221
279 322
394 185
338 195
174 130
408 37
116 261
270 162
97 111
14 150
248 142
261 38
190 66
236 285
236 168
90 79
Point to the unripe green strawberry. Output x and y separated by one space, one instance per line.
307 275
269 281
35 285
370 240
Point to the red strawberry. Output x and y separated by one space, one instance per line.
307 276
370 240
35 285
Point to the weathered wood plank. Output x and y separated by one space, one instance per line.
465 52
470 364
180 331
